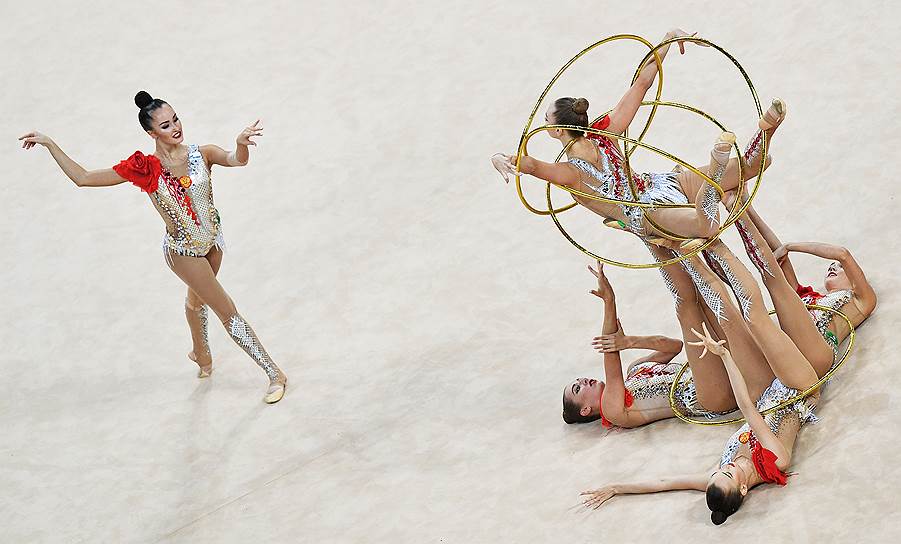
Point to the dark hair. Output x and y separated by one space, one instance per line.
572 412
722 503
147 105
571 111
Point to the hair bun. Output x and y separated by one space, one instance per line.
718 517
143 99
580 106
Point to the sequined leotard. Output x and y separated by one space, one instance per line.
821 318
776 393
610 181
654 380
185 204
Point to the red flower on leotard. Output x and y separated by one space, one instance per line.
142 170
808 295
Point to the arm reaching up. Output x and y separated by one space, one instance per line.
613 400
747 406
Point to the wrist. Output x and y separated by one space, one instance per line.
526 164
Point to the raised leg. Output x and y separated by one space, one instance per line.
783 356
793 315
692 184
710 377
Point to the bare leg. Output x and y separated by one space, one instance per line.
783 356
793 315
693 184
197 315
197 273
703 221
711 380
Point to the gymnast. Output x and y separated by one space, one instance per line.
643 396
759 452
176 178
817 333
596 165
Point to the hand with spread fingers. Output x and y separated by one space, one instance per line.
244 138
597 497
709 343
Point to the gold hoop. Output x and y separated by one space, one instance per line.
738 209
550 84
783 404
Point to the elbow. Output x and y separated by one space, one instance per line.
784 461
842 253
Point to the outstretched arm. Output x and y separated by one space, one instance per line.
241 155
621 116
747 406
595 498
863 291
81 177
558 173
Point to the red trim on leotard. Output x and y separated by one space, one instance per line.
609 148
627 402
765 463
807 294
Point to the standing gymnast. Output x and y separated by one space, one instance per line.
176 177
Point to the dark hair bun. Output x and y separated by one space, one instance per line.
143 99
718 517
580 106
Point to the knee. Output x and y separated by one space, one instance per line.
225 312
193 301
710 228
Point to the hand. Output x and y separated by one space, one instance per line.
781 253
709 343
609 343
504 165
678 33
597 497
729 197
604 290
662 242
34 138
247 133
